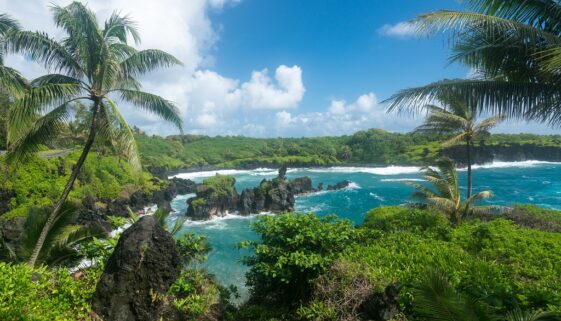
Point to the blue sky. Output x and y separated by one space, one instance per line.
277 67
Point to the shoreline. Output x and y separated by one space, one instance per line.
211 168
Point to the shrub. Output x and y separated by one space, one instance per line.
396 219
294 250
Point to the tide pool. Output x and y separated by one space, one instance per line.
533 182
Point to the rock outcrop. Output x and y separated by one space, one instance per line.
338 186
138 274
215 197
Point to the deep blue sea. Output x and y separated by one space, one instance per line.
533 182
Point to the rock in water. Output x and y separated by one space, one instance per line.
138 274
302 185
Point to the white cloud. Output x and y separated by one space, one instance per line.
401 29
262 93
341 118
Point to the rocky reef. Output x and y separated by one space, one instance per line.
217 196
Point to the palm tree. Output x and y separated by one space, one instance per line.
435 299
514 48
92 64
446 194
457 119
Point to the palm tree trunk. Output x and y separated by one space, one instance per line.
469 144
54 214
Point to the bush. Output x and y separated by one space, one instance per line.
396 219
294 250
28 293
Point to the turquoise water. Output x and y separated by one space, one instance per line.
525 182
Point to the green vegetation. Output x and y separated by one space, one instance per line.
503 267
374 146
295 250
38 182
446 195
38 293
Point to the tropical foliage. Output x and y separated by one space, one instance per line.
446 195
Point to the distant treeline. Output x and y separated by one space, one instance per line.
373 147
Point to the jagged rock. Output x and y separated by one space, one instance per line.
282 172
382 306
302 185
247 201
338 186
138 274
320 187
179 186
280 198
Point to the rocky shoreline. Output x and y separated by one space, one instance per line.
217 196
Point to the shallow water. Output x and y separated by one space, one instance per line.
522 182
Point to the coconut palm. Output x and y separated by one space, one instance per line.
91 64
514 49
456 118
446 194
435 299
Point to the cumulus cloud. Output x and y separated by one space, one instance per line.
262 93
340 118
401 29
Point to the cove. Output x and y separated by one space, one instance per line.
512 183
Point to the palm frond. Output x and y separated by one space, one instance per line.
533 316
462 22
144 61
120 27
45 50
454 140
120 134
508 98
8 24
487 124
178 225
435 299
153 104
38 133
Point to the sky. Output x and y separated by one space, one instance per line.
268 68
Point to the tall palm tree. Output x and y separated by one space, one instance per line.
446 194
91 64
513 46
456 118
